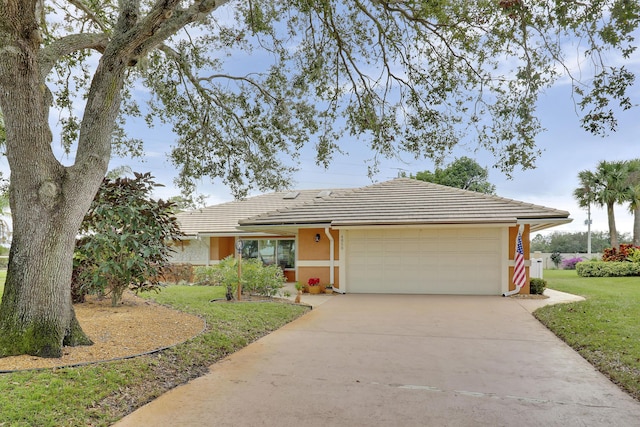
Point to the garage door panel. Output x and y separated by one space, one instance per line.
444 261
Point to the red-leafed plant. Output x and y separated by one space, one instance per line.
314 281
622 254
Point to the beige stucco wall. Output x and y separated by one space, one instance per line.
314 258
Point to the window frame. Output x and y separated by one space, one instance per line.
277 253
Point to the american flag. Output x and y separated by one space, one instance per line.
519 273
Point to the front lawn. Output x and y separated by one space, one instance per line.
99 395
604 329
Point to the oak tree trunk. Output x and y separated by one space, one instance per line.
36 315
48 200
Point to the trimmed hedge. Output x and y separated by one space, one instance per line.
607 269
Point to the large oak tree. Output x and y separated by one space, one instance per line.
414 76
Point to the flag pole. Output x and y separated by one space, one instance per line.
519 272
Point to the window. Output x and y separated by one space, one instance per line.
267 251
250 249
287 253
271 251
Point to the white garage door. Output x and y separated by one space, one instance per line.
424 261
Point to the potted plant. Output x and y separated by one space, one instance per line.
328 289
314 285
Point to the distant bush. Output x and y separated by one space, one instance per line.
556 258
212 275
608 269
537 286
178 273
570 264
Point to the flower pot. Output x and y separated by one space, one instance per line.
328 291
314 289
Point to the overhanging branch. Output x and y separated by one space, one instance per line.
52 53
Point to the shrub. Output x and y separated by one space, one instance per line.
607 269
178 273
537 286
125 239
570 264
81 281
634 255
260 279
556 258
205 276
225 273
257 278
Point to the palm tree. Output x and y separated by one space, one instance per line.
611 189
633 182
585 194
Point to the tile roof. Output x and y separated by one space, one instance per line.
405 201
223 219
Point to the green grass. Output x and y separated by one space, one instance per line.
604 329
99 395
3 276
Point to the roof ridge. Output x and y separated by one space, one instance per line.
333 192
475 193
395 201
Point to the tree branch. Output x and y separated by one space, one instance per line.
50 54
164 20
92 16
195 81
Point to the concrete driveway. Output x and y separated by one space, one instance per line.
400 360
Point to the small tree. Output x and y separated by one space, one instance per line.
462 173
125 242
556 258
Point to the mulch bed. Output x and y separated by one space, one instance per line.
136 326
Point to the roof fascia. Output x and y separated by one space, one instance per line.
188 237
238 233
294 226
539 224
500 224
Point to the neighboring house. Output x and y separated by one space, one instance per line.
398 236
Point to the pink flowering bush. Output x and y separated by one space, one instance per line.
570 263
